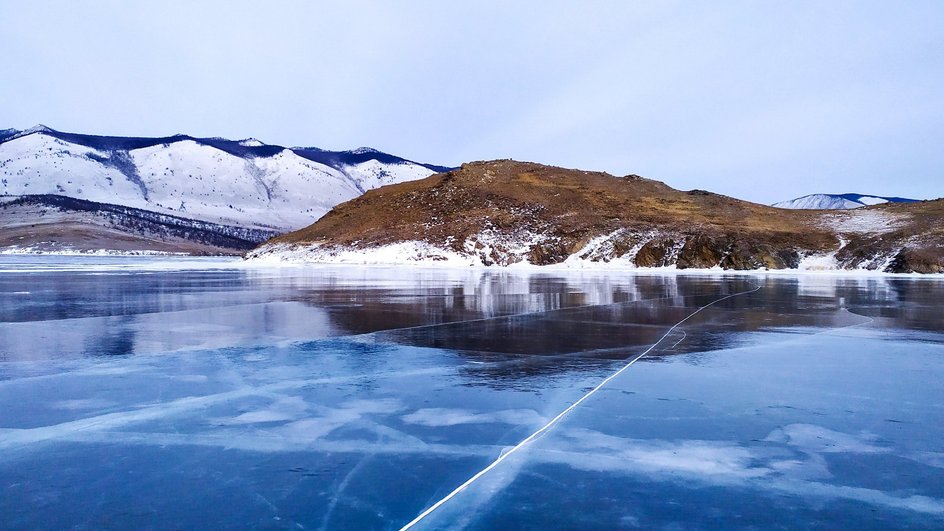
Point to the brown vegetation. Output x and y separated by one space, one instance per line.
568 208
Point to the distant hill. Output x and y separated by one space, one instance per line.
231 183
507 212
54 223
838 201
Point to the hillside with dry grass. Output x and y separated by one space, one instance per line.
505 212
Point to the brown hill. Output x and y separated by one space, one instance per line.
502 212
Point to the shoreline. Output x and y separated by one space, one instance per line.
567 267
289 257
531 268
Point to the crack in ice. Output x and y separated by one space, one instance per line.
543 429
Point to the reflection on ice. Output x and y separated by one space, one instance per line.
811 438
73 314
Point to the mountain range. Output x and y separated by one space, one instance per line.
183 194
224 186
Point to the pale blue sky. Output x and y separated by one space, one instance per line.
761 100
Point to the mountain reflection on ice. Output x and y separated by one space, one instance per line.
137 394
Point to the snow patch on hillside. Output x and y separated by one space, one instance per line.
602 250
301 190
861 222
422 254
402 253
869 200
488 248
822 261
374 174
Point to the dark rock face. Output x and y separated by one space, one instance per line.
790 258
701 252
548 253
745 255
655 253
918 261
862 251
740 257
623 245
499 255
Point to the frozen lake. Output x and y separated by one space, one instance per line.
187 393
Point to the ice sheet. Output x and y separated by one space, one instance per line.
339 398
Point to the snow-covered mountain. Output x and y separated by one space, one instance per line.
243 183
838 201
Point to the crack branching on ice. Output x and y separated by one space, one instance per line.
550 424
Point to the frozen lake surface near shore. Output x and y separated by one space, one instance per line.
156 392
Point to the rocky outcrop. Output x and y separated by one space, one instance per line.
658 252
744 255
548 253
701 252
927 260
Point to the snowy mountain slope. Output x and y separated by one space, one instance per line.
838 201
233 182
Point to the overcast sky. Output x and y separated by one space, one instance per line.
760 100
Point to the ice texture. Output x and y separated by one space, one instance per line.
139 394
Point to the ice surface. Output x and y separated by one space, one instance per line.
137 394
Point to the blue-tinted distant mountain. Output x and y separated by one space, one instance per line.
246 148
244 183
838 201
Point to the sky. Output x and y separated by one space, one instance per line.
760 100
